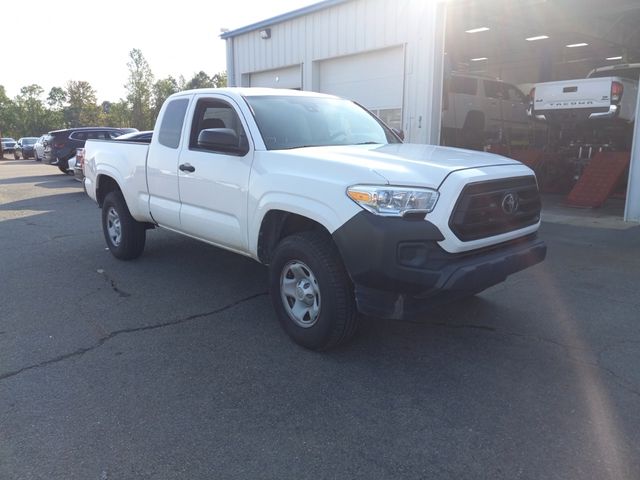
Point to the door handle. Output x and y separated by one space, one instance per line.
187 167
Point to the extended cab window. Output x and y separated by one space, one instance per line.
465 85
494 89
516 95
172 121
218 114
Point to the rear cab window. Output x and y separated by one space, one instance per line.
493 89
465 85
172 122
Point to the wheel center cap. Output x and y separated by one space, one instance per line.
300 292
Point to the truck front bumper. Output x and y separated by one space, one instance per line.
399 270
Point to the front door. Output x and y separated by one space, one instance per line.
213 181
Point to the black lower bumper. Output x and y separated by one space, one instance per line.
399 270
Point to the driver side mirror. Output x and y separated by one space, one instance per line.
221 139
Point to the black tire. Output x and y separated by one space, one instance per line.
127 237
63 169
35 156
337 318
16 155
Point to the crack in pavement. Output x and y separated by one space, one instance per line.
101 341
113 284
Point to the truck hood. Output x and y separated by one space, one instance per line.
405 163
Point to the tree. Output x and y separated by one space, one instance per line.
32 118
139 88
220 79
57 98
161 90
200 80
118 114
7 114
82 109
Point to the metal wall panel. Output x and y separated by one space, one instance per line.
289 77
351 28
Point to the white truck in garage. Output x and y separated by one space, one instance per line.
348 218
599 108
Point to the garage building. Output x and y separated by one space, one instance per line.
396 57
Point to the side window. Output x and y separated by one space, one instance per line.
172 121
218 114
80 136
516 95
494 89
466 85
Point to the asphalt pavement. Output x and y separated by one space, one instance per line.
173 366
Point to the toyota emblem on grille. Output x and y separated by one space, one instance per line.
510 203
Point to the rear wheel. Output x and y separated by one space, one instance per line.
311 291
124 235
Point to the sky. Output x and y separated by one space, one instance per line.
50 43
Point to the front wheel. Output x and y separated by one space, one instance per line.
311 291
16 155
125 236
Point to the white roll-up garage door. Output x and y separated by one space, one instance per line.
289 77
374 79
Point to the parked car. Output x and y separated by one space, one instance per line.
139 137
24 147
477 110
136 137
61 145
38 149
8 145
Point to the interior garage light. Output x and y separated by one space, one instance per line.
479 59
477 30
539 37
615 58
574 45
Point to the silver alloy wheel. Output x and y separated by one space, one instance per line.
300 293
113 227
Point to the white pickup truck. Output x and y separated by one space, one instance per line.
348 218
608 93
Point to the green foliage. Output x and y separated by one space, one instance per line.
139 90
82 106
202 80
118 114
161 90
30 113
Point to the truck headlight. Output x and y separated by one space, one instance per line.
391 201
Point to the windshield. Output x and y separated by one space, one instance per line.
29 141
630 73
8 140
293 122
